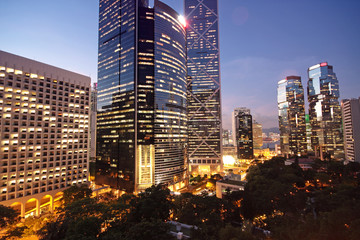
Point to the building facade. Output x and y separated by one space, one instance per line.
257 135
325 112
351 124
308 133
292 116
44 133
227 137
243 133
204 97
93 112
141 117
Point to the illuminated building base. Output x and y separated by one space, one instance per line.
145 164
179 185
208 169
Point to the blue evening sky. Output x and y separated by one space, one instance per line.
261 42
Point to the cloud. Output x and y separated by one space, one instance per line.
252 82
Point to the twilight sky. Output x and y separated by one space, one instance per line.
261 42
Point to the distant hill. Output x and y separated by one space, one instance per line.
268 130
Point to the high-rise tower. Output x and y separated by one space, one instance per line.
141 120
292 116
204 99
351 119
325 112
257 135
243 133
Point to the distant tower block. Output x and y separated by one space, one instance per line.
292 116
325 112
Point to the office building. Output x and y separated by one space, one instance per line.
308 133
44 132
93 111
351 123
227 137
325 112
141 117
204 98
291 116
243 133
257 135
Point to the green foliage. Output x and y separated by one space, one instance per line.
234 233
328 208
153 203
76 192
149 230
7 216
272 186
81 217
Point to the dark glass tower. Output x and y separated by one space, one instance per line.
204 106
141 121
243 133
292 124
325 112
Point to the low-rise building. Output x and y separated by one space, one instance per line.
231 182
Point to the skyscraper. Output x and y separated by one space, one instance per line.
351 119
226 135
308 133
243 133
325 112
44 131
292 116
257 135
204 98
142 125
93 111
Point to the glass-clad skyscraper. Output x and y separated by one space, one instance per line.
292 116
325 112
243 133
257 135
141 120
204 106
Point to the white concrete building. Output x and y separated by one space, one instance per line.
231 182
351 127
44 132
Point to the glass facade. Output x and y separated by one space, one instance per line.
325 112
292 116
243 133
170 96
141 92
204 110
257 135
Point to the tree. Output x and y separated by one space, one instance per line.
78 219
149 230
153 203
234 233
7 216
76 192
273 187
